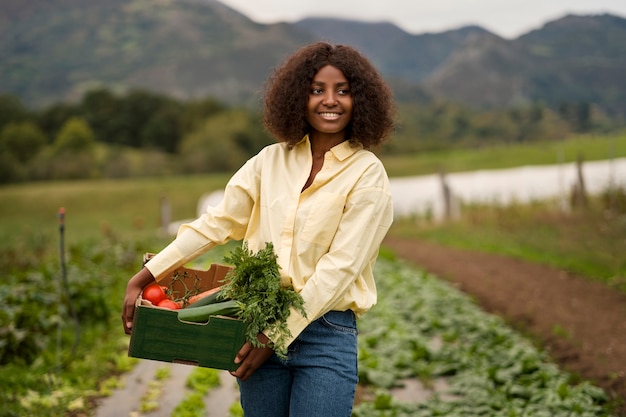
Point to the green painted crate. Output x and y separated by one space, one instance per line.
157 333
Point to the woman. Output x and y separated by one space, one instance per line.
323 200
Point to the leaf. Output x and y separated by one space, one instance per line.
255 283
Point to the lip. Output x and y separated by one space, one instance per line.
327 115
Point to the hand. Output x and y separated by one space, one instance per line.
251 358
133 289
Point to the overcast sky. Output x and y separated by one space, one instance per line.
507 18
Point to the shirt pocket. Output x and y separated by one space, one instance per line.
323 218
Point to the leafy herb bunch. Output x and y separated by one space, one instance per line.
265 305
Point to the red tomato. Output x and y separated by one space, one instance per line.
169 304
154 293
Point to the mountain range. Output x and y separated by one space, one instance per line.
55 50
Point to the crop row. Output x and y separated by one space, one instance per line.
424 328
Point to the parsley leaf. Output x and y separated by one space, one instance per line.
265 305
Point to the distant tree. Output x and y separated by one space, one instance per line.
12 110
461 122
75 137
578 115
163 129
525 121
72 154
196 112
139 107
138 119
21 141
10 170
583 117
536 122
492 127
223 143
52 118
105 114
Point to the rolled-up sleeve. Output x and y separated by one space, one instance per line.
229 220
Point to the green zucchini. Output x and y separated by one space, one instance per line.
201 314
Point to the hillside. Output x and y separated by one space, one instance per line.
398 54
57 49
579 58
570 60
53 50
486 70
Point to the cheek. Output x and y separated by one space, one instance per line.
309 115
311 105
349 111
348 105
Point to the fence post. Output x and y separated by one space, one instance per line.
449 202
579 192
166 215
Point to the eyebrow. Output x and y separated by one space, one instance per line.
341 84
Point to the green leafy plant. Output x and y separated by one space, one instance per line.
191 406
425 329
200 381
265 305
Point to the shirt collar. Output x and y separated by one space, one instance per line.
341 151
344 150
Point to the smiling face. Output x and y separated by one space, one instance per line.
329 108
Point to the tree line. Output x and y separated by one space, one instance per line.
119 135
143 133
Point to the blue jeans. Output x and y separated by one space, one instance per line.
318 378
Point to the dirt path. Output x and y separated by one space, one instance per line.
582 324
126 401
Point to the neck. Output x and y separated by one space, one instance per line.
320 143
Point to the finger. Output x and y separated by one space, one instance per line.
126 324
246 372
254 359
128 314
243 352
239 372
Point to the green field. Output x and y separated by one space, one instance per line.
588 148
126 208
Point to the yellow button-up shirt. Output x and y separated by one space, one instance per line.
326 237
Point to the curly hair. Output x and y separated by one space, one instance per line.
287 94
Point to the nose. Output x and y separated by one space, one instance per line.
330 98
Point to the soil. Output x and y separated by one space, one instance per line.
581 324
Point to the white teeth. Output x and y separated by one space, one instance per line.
329 114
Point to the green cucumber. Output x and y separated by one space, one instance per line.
201 314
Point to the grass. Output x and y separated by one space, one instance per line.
590 242
129 207
507 156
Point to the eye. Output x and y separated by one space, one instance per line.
343 91
316 91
